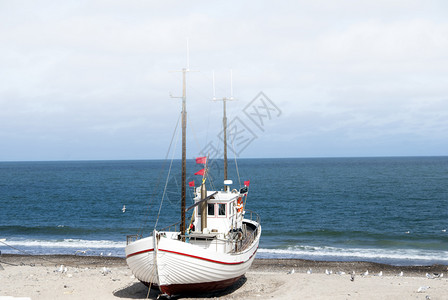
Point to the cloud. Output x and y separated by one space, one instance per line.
84 77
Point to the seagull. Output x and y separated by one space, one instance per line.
62 269
408 232
401 274
365 273
82 251
422 289
309 271
380 273
341 273
443 230
328 272
124 208
352 276
429 276
105 270
292 271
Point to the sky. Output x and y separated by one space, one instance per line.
91 80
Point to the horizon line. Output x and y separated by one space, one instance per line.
162 159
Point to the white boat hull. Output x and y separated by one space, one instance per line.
177 267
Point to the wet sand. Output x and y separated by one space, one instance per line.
93 277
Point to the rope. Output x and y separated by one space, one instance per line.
35 256
57 263
159 176
4 262
149 290
168 176
236 165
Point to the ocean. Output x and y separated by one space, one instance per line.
390 210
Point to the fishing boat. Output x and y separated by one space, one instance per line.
210 253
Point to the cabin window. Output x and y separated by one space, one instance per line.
221 209
211 209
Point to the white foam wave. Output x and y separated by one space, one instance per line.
334 253
67 243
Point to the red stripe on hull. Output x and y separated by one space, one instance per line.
176 289
140 252
203 258
208 259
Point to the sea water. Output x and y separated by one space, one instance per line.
389 210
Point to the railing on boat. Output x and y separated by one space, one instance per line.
240 244
132 238
252 216
169 227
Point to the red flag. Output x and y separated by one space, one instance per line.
201 160
247 183
191 183
200 172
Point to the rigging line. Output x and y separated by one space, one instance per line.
167 177
37 256
160 173
210 182
7 263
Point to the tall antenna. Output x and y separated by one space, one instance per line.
231 87
188 56
214 92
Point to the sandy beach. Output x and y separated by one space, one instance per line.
84 277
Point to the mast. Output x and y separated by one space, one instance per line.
224 123
184 146
184 150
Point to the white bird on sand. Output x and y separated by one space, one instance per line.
328 272
365 273
292 271
352 276
309 271
62 269
429 276
341 273
380 273
401 274
422 289
105 271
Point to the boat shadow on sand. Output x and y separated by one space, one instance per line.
138 290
